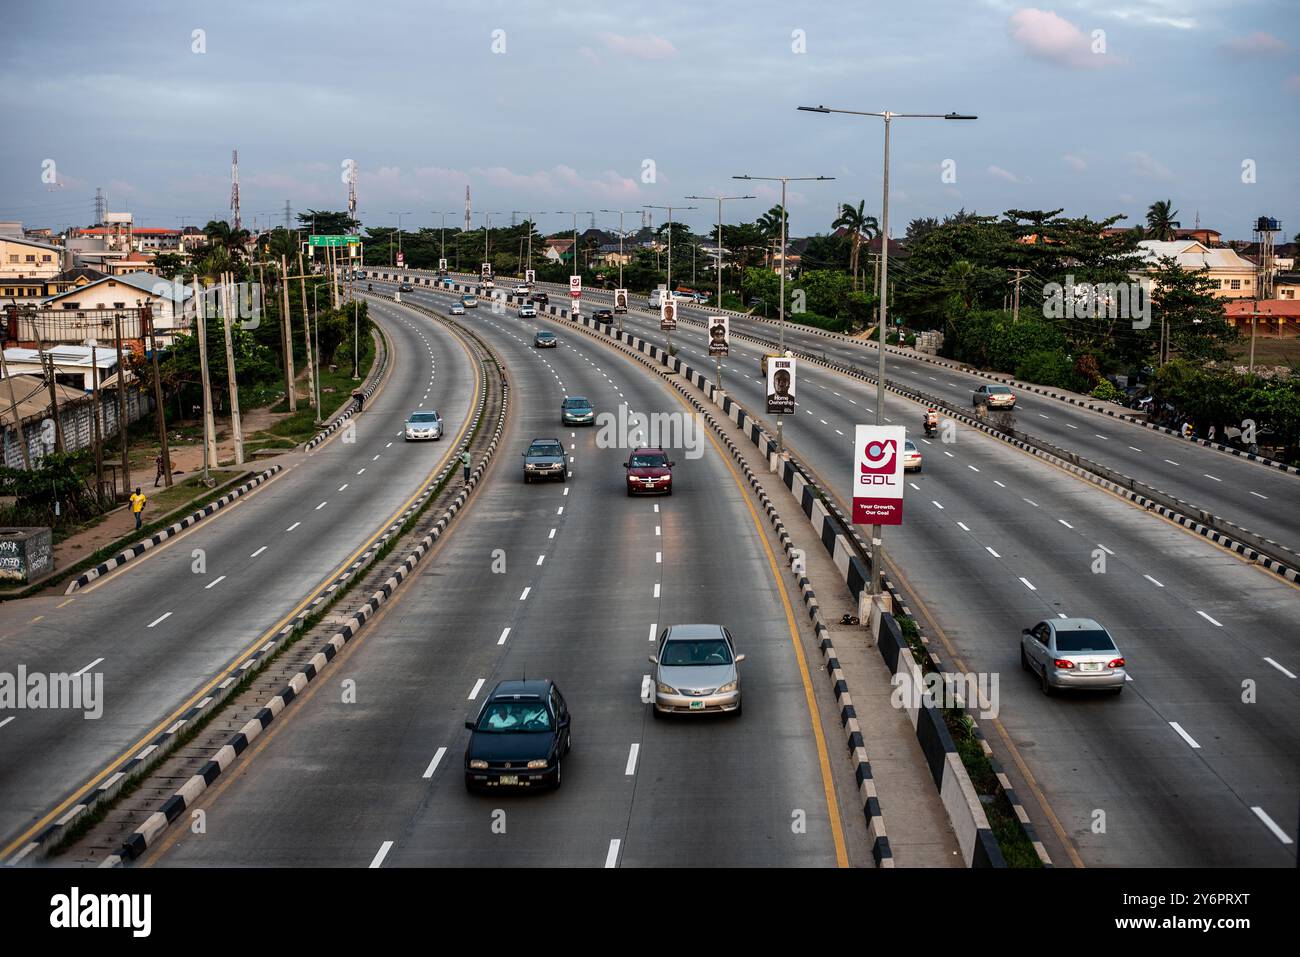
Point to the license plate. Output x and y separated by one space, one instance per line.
697 705
1090 666
509 779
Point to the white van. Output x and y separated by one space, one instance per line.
657 296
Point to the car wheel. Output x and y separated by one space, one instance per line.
527 480
1044 683
1024 659
469 785
740 707
629 493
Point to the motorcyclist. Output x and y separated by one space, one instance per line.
931 420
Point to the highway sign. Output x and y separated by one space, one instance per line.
878 474
317 239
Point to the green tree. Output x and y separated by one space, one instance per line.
1162 220
1183 302
861 226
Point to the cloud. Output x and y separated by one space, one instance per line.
1003 174
1048 37
1144 164
1254 44
590 55
1074 163
646 47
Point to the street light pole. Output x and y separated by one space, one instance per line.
669 284
720 200
621 233
438 212
399 230
877 531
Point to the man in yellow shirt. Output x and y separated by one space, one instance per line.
137 506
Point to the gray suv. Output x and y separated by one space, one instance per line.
695 671
545 459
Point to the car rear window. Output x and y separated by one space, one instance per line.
999 389
1084 641
706 651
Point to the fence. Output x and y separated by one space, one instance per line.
77 420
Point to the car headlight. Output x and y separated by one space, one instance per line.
728 687
478 765
539 763
664 689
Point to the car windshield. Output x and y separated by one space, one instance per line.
424 417
649 460
548 448
1084 641
546 335
704 651
577 404
506 716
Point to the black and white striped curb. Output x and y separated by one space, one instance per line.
156 539
221 760
350 408
1004 782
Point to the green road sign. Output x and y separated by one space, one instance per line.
323 240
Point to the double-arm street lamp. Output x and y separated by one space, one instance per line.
669 285
720 200
399 233
621 234
877 545
443 227
575 213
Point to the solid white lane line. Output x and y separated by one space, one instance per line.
1153 581
478 686
631 759
653 626
78 674
158 620
1209 619
215 581
992 552
1280 834
1184 735
383 852
293 526
258 552
524 596
433 765
1028 584
505 633
611 859
1279 667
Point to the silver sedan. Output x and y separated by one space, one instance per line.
695 671
1072 653
423 425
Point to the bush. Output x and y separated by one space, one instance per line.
1106 392
1050 369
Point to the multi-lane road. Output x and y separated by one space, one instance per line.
163 627
570 581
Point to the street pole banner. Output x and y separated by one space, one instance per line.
620 300
878 474
780 385
575 286
401 261
442 265
667 315
720 336
530 276
485 275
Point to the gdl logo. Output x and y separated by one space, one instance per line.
877 468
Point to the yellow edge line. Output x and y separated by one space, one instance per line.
135 748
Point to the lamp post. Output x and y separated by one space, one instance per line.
575 213
720 200
669 283
877 543
443 227
621 234
528 224
399 233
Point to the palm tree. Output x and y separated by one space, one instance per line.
863 227
1160 220
221 235
770 225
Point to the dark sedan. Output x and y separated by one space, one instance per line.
520 735
603 315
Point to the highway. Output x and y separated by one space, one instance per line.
591 577
1183 769
164 625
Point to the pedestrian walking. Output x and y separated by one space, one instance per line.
137 506
158 466
464 461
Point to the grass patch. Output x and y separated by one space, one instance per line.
335 389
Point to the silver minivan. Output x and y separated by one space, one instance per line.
1072 653
695 671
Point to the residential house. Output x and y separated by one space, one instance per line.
610 255
88 311
25 267
1286 285
1234 276
1276 317
559 250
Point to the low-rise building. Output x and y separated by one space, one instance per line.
1234 276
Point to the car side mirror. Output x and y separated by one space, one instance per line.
626 466
653 660
739 658
1024 631
470 725
671 464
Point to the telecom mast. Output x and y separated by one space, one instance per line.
236 223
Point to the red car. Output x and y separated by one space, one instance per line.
649 472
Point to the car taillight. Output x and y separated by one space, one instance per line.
1063 663
1117 663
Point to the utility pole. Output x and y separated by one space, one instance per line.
97 436
227 296
1015 309
146 315
54 395
286 333
313 373
209 425
13 404
121 405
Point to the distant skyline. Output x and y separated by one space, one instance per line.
1100 106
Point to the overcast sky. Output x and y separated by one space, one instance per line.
551 105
